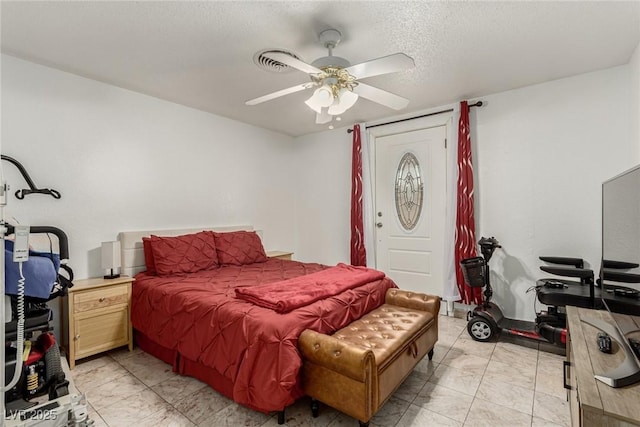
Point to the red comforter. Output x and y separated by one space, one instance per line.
287 295
199 316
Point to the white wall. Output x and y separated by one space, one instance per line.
323 196
126 161
541 154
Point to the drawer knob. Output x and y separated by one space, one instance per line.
77 337
102 299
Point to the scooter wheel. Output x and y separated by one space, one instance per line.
481 329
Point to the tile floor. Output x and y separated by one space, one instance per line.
466 384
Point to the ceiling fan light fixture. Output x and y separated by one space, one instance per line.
336 82
321 98
345 100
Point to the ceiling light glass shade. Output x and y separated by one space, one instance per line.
322 97
323 117
345 100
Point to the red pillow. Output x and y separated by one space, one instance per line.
239 248
149 262
184 254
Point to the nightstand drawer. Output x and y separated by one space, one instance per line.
100 298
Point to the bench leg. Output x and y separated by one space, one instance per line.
430 354
281 417
315 408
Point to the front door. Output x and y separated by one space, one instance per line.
410 202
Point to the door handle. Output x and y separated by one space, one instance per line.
379 225
565 365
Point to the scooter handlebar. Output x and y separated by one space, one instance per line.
489 241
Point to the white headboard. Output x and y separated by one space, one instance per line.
132 252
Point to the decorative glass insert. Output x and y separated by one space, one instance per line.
409 191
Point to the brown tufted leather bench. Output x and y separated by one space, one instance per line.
359 367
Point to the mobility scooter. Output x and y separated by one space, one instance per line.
486 320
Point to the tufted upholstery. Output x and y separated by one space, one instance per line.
356 369
385 331
239 248
188 253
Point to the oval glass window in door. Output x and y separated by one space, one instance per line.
409 189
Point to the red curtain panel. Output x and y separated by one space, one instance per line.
358 252
465 221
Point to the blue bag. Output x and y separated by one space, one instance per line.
40 272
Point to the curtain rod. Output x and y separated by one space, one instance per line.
477 104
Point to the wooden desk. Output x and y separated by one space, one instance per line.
592 402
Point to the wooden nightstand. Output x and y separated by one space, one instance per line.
279 254
98 316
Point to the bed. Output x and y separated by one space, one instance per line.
198 323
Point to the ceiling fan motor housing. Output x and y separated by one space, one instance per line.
330 39
331 61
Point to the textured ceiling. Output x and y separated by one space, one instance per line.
200 54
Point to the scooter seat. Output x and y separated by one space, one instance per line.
35 321
573 293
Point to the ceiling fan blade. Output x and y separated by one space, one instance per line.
384 65
278 94
293 62
323 117
380 96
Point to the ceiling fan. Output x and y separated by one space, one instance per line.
337 83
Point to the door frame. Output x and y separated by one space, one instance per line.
443 119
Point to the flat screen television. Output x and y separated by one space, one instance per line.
620 267
620 272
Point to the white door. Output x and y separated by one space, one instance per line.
410 200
